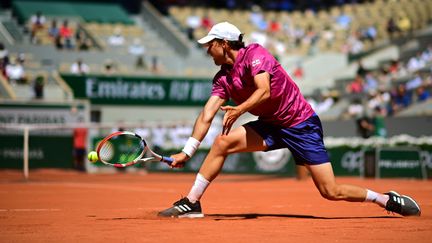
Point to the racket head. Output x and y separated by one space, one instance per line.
121 149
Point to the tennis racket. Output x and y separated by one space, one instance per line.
123 148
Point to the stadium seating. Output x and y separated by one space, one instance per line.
100 21
96 12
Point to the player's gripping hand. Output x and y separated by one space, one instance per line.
179 160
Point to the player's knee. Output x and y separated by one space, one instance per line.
329 192
221 144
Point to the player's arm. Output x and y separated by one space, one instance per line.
205 118
261 94
201 127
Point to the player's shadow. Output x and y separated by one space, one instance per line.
263 215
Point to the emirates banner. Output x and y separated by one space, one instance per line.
158 91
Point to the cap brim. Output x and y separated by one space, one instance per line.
206 39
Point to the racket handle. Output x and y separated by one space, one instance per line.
167 160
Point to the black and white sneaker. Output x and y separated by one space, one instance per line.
183 208
402 204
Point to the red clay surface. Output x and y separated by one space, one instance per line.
68 206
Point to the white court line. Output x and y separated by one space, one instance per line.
30 210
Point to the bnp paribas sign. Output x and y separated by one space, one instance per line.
140 90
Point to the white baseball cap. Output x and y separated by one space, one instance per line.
224 31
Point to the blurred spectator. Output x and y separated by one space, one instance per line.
66 34
343 21
80 145
356 86
138 51
83 43
422 94
371 83
328 35
361 70
79 67
109 67
325 104
400 99
380 98
355 109
369 33
298 35
379 128
365 127
38 86
415 63
415 82
394 66
4 59
426 55
155 67
136 48
298 72
206 22
141 63
392 27
256 17
354 44
37 22
311 39
274 26
193 22
404 23
384 79
15 72
259 37
53 30
116 39
59 42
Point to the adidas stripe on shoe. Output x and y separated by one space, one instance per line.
401 204
183 208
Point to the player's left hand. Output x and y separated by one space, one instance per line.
232 113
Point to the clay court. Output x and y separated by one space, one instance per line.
68 206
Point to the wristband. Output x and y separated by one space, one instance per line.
191 146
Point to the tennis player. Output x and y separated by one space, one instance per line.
258 84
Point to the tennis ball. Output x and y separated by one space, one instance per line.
92 156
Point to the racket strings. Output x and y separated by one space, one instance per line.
106 152
122 149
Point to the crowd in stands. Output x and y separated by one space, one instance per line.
393 87
76 36
12 67
351 28
381 92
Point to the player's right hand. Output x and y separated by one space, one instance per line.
179 160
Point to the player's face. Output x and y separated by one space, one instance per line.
216 49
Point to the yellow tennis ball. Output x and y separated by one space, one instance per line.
92 156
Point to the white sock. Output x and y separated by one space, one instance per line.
377 198
198 188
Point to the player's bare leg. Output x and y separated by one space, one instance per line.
325 181
302 173
241 139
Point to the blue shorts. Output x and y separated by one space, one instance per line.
305 140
